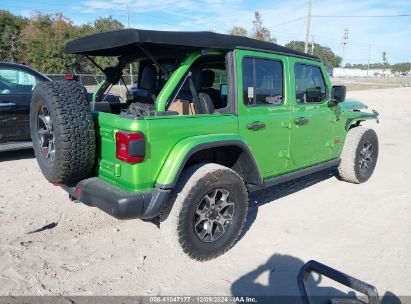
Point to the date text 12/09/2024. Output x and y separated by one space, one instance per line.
202 299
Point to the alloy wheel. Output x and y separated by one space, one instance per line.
366 157
45 131
214 215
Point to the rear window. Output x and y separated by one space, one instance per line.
309 84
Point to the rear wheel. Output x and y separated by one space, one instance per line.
206 212
359 155
62 131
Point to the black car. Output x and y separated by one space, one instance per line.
17 82
16 86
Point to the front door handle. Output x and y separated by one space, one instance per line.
7 104
257 125
301 121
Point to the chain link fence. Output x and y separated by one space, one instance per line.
90 81
93 80
370 83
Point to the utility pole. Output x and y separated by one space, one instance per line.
128 14
12 47
344 43
307 32
369 55
128 26
312 45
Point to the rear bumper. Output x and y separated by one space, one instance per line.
117 202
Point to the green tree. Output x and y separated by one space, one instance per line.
44 37
43 40
403 67
10 28
364 66
105 24
329 58
238 31
100 25
259 31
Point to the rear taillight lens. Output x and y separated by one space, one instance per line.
130 147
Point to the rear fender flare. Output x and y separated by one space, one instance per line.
183 150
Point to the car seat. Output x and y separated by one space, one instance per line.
206 86
145 93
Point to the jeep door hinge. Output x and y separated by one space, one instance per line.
286 124
284 154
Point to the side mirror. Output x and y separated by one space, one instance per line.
338 93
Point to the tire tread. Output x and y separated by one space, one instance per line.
75 137
171 226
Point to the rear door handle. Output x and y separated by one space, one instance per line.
257 125
301 121
7 104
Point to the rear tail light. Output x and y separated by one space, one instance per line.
130 147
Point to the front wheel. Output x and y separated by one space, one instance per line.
359 155
206 212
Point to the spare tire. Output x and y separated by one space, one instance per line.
62 131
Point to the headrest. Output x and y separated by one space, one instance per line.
207 78
148 78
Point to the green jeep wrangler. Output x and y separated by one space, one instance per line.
210 118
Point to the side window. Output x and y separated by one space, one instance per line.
262 82
309 84
15 81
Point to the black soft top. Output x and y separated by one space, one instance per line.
136 42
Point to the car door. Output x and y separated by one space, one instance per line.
16 86
312 117
264 109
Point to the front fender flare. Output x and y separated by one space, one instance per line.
183 150
354 117
352 111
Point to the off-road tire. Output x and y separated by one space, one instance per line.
74 134
177 219
349 169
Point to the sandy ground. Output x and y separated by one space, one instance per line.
359 229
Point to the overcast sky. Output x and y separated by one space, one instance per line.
392 34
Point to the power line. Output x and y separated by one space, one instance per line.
290 21
361 16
